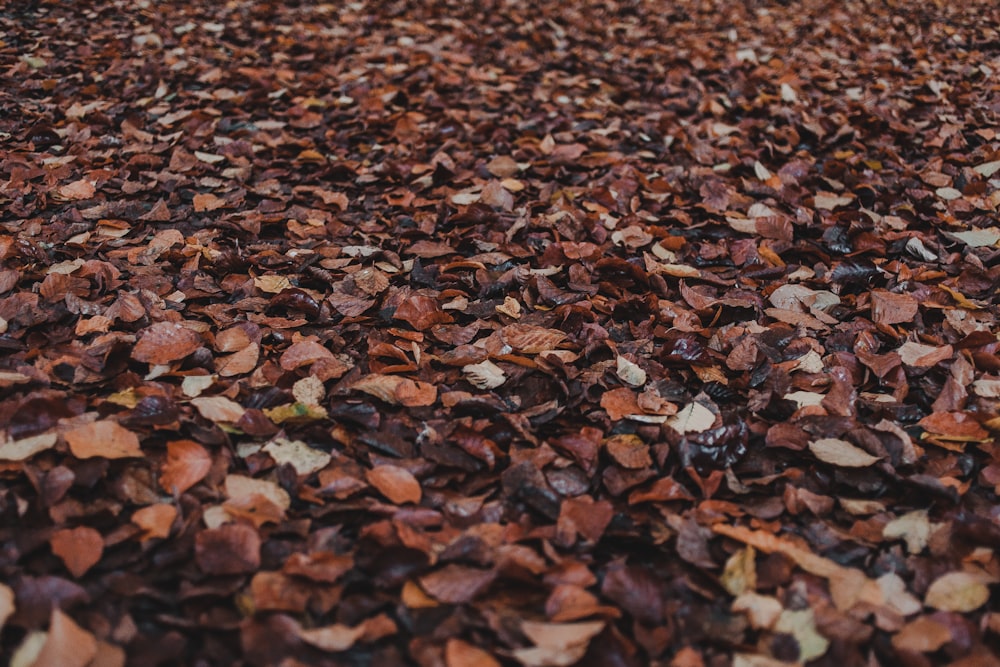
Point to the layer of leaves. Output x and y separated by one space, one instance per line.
453 333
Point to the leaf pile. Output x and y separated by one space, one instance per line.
500 333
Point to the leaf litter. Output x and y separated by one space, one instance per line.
569 334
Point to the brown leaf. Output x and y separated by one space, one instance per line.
81 189
230 549
302 354
187 464
396 390
107 439
457 584
421 312
890 308
66 644
530 339
79 548
395 483
628 451
164 342
458 653
923 635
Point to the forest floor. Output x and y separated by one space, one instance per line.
466 334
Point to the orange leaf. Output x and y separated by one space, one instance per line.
155 520
187 464
106 438
164 342
395 483
79 548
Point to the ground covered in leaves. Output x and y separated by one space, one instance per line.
465 334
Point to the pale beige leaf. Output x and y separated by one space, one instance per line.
240 487
25 448
828 201
761 610
218 408
913 527
7 606
740 573
978 238
309 390
692 418
801 624
332 638
960 592
303 458
630 372
484 375
271 284
841 453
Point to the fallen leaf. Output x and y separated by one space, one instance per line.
164 342
630 372
692 418
107 439
25 448
81 189
395 483
841 453
484 375
79 548
960 592
396 390
458 653
7 606
303 458
230 549
156 520
186 464
66 644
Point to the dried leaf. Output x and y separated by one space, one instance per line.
156 520
66 644
395 483
692 418
303 458
960 592
105 438
630 372
484 375
164 342
79 548
841 453
186 464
